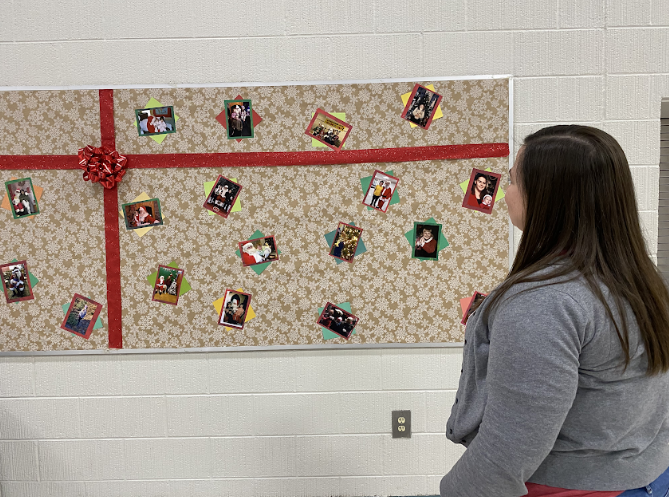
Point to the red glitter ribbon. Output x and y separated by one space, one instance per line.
102 165
106 166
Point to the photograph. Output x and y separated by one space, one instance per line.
240 119
168 284
22 198
328 130
421 106
234 309
380 191
81 316
426 241
258 250
481 191
16 281
337 320
345 242
473 305
222 196
155 121
142 214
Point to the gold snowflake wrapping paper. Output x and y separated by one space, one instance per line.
398 299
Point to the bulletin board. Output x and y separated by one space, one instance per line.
293 188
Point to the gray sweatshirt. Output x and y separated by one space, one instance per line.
543 398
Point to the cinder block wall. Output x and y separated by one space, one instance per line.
298 423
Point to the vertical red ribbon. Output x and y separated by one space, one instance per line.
112 243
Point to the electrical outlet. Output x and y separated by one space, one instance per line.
401 424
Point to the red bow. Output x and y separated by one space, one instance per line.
102 165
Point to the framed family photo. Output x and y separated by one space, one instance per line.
222 196
16 282
481 191
421 107
239 115
142 214
156 121
235 307
380 191
328 130
168 285
258 251
337 320
345 242
426 241
81 316
22 199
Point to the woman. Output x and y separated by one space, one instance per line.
565 380
477 191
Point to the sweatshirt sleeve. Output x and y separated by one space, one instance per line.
535 343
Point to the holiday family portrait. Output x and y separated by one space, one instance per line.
421 106
328 130
81 316
380 191
481 191
240 118
142 214
258 250
235 307
155 121
16 282
345 242
168 285
426 241
337 320
22 198
222 196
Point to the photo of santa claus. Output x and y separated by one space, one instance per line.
22 197
168 285
222 196
155 121
16 282
258 251
142 214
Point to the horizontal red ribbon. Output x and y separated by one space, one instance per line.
251 159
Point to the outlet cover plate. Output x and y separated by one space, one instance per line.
401 424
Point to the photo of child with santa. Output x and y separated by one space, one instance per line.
21 197
16 283
155 121
222 196
258 251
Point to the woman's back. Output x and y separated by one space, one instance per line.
543 382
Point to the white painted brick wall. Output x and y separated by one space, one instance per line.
301 423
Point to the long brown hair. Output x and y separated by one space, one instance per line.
581 211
